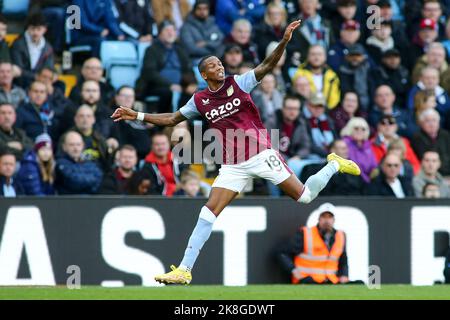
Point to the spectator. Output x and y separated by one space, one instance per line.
432 138
387 8
429 174
9 186
96 147
161 167
391 73
271 29
406 169
31 52
434 58
356 136
55 88
227 12
299 259
380 41
4 48
54 12
135 20
190 185
12 139
295 143
139 185
301 89
432 9
91 96
74 175
92 69
431 191
9 92
98 23
314 30
241 36
135 133
321 77
267 97
389 183
426 35
345 11
429 80
39 115
424 100
116 181
386 134
446 42
233 59
354 74
164 64
384 105
280 71
37 169
175 11
319 125
348 109
349 36
200 34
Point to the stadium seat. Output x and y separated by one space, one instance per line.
69 80
120 75
118 52
200 81
15 7
142 48
10 38
292 71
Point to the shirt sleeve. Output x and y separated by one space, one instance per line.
246 81
189 110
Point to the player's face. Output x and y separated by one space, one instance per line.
214 70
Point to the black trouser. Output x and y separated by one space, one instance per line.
309 280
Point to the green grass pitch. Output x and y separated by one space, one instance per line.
251 292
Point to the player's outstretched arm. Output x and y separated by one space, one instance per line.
162 119
271 61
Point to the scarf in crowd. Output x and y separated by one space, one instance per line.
382 45
316 31
320 129
46 114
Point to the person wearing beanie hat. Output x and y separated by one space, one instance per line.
37 169
200 35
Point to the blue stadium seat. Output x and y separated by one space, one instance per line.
15 7
142 48
118 52
74 49
120 75
200 81
292 71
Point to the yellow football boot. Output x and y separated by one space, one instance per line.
345 166
176 276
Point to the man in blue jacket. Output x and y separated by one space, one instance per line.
98 23
227 11
73 174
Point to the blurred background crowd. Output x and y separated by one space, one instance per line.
369 84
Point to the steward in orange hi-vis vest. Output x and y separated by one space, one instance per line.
316 260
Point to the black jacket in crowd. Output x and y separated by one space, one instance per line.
154 61
380 187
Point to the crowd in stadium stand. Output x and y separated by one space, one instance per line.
372 90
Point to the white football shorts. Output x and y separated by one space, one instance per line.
268 164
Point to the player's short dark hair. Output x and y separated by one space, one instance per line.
36 20
201 63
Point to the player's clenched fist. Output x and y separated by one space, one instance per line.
290 29
124 113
